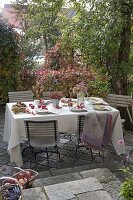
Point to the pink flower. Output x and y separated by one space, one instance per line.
120 142
127 157
80 87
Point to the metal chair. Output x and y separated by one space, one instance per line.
121 101
42 134
94 150
23 96
46 95
80 130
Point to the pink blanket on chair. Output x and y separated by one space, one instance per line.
97 129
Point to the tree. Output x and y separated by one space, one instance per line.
9 58
28 46
42 15
103 35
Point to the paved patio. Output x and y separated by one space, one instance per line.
69 159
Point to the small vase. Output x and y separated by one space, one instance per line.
55 103
80 98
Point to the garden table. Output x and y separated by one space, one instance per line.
14 129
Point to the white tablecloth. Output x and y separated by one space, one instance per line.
67 122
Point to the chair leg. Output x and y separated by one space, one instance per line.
91 153
57 151
47 154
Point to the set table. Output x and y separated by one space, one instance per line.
14 129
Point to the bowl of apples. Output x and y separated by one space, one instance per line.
25 177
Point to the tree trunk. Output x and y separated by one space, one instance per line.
121 83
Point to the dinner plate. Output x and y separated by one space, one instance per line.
78 110
42 112
102 108
97 101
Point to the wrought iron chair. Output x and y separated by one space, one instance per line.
23 96
42 134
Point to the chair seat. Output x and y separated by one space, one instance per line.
42 134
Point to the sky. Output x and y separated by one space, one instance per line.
2 2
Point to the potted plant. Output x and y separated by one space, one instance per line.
55 98
126 189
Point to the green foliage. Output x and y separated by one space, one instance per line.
99 86
42 15
29 47
9 58
101 33
126 189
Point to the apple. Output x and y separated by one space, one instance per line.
25 180
28 174
39 106
21 181
32 106
11 181
43 106
21 175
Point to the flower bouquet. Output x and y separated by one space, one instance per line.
55 98
80 89
37 91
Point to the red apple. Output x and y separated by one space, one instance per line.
25 180
43 106
21 181
21 175
39 106
11 181
28 174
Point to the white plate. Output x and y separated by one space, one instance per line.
102 108
42 111
78 110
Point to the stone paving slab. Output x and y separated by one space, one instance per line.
62 171
113 188
97 195
56 179
34 194
102 174
68 190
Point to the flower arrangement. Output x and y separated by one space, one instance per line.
37 91
56 95
80 88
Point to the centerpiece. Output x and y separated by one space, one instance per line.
55 98
80 89
38 93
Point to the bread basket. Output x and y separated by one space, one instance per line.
28 175
10 189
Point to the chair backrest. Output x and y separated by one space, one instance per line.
23 96
124 101
46 95
42 133
116 100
